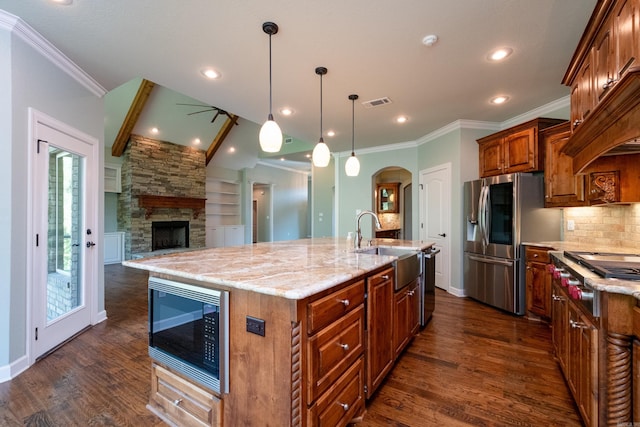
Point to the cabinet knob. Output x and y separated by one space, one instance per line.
385 277
345 347
177 402
345 302
345 406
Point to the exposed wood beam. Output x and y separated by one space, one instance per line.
136 108
222 134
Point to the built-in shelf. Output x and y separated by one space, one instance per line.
151 202
223 203
112 180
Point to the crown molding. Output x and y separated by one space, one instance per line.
32 38
271 165
541 111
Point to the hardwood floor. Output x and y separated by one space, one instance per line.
471 366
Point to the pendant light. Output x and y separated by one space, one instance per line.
321 154
352 166
270 133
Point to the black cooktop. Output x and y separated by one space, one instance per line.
608 265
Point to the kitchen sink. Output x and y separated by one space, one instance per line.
407 264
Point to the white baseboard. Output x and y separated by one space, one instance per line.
457 292
14 369
101 317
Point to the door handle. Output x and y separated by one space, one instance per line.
90 244
442 235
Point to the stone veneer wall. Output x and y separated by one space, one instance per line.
614 225
159 168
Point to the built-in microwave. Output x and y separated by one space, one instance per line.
189 331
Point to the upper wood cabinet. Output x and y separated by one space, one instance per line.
562 188
514 150
388 198
609 48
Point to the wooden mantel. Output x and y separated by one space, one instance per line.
151 202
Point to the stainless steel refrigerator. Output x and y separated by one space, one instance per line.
500 213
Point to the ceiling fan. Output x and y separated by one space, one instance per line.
207 108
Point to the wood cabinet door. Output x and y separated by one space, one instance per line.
603 56
538 289
379 347
491 158
559 325
625 22
588 372
520 151
586 97
400 321
562 187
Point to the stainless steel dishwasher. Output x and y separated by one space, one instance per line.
428 285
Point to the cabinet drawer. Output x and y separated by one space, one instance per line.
182 402
376 279
333 350
534 254
343 401
326 310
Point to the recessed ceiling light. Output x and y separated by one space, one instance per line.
232 149
401 119
210 73
331 133
196 141
499 54
154 130
286 111
501 99
63 2
308 156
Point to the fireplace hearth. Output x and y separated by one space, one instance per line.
169 235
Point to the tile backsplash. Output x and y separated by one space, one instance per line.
613 225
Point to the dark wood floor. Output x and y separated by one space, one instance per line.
471 366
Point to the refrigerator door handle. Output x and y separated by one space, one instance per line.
491 261
483 216
487 218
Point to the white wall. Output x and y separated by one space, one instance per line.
33 81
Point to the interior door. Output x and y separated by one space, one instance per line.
65 236
435 218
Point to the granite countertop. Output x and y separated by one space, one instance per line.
617 286
291 269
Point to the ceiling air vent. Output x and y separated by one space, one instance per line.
376 102
288 140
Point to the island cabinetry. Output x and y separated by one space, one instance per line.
380 351
576 342
179 401
335 356
538 282
406 316
514 150
562 188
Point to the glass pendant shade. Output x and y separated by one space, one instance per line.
270 136
352 166
321 155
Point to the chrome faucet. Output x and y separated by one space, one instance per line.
359 231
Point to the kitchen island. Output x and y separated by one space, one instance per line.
328 316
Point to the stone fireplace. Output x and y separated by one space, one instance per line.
161 183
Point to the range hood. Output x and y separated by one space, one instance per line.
612 128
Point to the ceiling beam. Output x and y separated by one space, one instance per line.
137 105
222 134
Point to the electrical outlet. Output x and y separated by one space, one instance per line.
255 325
571 225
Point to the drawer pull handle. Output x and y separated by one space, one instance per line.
345 302
177 402
345 406
345 347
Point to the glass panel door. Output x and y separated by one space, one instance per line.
64 292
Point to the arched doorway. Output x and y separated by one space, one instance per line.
393 202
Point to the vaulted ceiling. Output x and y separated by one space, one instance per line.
372 48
